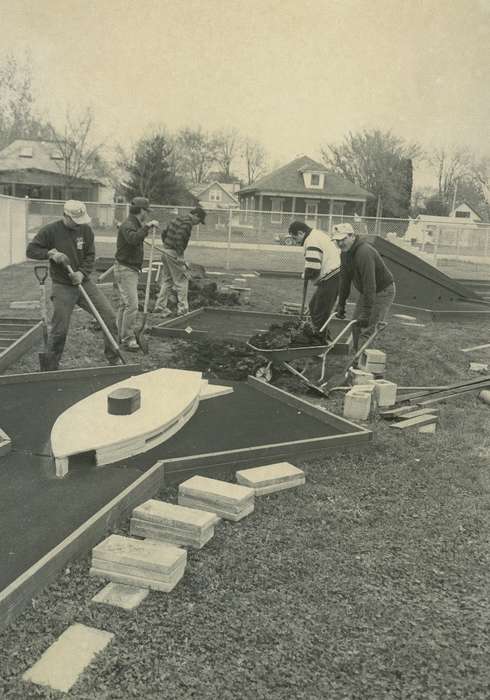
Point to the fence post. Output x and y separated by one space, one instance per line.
228 247
436 245
11 233
27 207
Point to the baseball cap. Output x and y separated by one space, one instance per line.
141 202
200 213
341 231
77 211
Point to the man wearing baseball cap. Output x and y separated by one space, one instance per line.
362 265
175 238
127 268
70 241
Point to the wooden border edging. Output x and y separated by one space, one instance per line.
21 346
19 593
70 374
180 468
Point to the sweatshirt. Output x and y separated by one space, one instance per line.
322 257
77 244
363 266
129 247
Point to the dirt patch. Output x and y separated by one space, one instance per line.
202 292
291 334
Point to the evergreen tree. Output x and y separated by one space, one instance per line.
150 172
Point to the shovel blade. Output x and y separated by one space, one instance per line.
47 361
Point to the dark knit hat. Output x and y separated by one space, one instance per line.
141 202
200 213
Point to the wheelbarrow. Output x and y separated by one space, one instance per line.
329 378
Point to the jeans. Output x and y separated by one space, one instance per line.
382 304
173 277
65 297
322 301
126 281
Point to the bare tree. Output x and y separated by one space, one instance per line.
381 163
19 118
196 153
255 158
80 157
227 145
450 166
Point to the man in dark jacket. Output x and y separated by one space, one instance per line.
174 268
362 265
127 267
70 241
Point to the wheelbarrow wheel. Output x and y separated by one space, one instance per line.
264 372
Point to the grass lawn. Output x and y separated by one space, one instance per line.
370 582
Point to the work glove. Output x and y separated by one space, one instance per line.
153 222
76 277
58 257
340 312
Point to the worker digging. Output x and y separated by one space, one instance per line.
68 244
127 269
175 273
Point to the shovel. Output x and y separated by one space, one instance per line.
48 361
140 332
99 319
303 300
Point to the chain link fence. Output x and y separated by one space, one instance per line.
239 239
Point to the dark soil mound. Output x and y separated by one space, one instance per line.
293 333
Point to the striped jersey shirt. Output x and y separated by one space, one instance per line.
321 254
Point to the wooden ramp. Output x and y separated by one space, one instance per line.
17 336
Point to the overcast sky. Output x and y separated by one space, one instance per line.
292 73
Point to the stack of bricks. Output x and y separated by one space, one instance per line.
271 478
142 563
228 501
176 524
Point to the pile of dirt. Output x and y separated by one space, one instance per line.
207 293
229 360
293 333
202 292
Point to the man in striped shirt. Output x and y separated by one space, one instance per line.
175 275
322 266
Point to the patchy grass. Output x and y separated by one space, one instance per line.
369 582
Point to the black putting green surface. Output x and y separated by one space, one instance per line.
226 323
38 510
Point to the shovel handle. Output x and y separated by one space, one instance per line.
303 299
99 318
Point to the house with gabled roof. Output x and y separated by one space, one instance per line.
304 189
34 168
215 195
465 211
